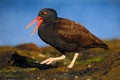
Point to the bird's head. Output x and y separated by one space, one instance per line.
45 15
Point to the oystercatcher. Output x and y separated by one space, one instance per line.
65 35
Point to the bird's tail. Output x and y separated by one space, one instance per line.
104 46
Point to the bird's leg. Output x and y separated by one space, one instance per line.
50 60
73 61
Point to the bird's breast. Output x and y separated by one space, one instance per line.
46 33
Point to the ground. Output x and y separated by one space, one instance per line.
21 62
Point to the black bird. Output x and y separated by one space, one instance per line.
65 35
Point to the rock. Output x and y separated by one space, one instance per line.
16 63
5 59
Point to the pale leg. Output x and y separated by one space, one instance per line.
50 60
73 61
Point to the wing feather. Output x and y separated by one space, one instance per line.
72 32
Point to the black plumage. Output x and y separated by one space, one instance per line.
66 35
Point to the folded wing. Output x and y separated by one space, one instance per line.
72 32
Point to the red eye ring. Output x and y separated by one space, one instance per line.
44 13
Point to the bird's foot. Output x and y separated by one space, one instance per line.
48 61
70 66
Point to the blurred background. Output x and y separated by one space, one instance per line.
101 17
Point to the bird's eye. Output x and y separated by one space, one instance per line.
44 13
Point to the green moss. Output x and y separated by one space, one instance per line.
7 71
94 60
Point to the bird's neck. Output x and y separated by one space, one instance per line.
45 28
49 20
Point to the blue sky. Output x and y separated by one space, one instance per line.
101 17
